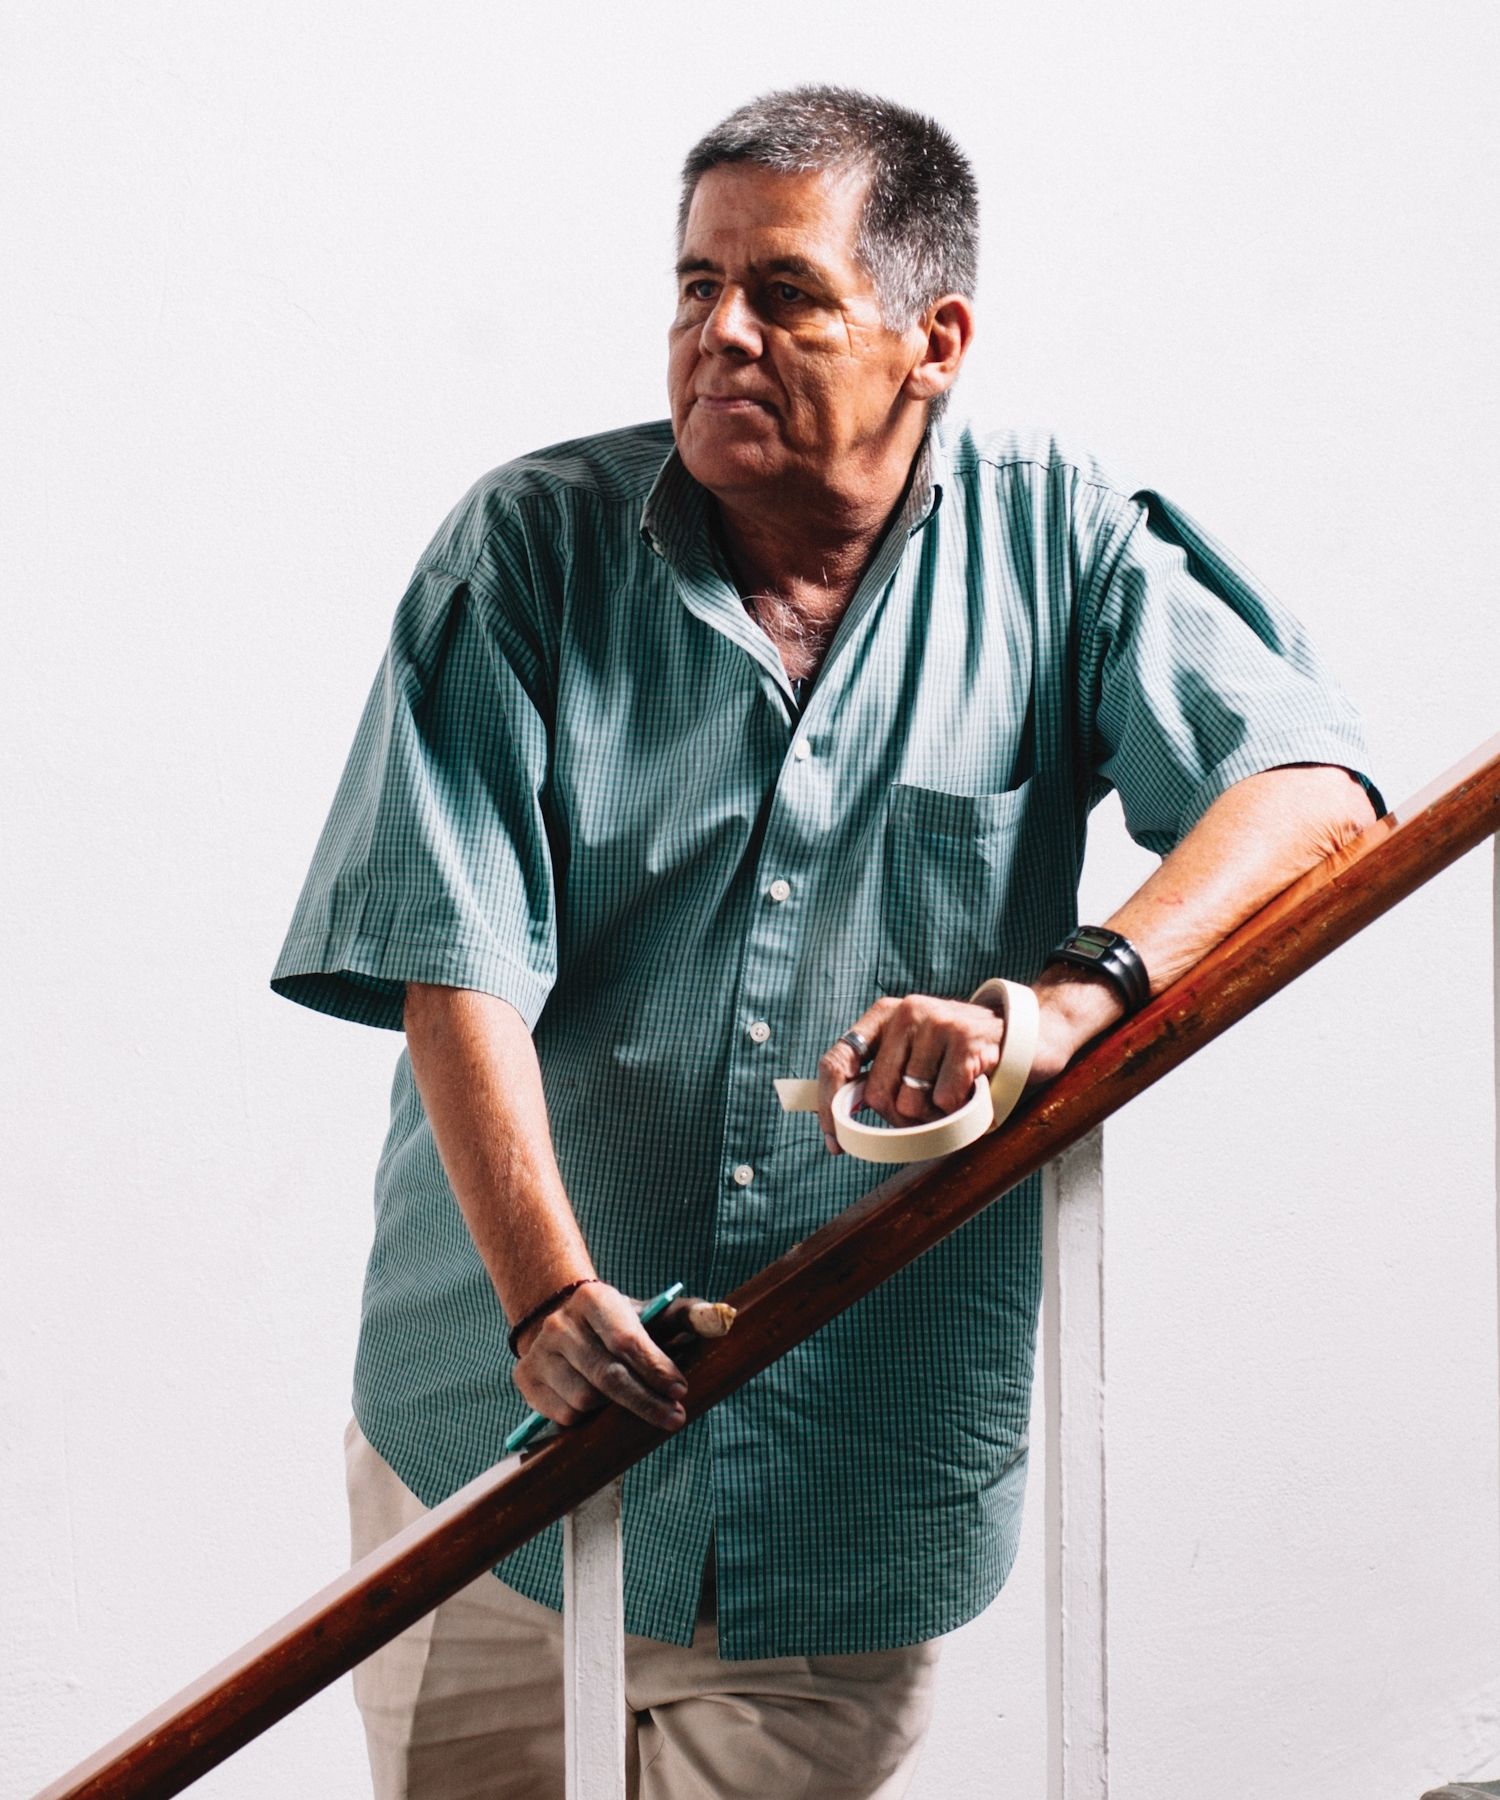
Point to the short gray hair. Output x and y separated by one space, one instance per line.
919 233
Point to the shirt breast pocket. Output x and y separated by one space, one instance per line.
961 888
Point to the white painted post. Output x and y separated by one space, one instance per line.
594 1648
1073 1376
1496 969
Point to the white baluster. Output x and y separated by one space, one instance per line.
594 1648
1073 1374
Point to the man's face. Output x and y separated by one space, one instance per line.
782 376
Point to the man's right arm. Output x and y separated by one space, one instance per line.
477 1072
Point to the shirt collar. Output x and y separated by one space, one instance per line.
674 519
929 477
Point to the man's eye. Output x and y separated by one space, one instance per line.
701 289
787 294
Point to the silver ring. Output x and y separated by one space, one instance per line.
916 1082
857 1042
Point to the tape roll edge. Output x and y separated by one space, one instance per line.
1017 1006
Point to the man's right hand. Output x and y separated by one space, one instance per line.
592 1348
477 1072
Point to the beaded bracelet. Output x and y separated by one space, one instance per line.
546 1306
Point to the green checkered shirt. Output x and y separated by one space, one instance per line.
582 782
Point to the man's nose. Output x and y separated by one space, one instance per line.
732 327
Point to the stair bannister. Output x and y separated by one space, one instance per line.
792 1298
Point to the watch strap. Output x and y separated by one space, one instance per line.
1109 954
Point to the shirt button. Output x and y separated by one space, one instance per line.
759 1031
779 889
802 749
743 1175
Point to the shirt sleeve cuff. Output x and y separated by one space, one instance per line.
1275 751
366 982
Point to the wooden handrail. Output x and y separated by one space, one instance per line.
791 1298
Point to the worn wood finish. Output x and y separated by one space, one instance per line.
792 1298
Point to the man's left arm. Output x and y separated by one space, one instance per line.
1252 842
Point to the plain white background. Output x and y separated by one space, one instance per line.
281 282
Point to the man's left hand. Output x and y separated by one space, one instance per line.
945 1046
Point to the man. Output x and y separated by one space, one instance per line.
708 754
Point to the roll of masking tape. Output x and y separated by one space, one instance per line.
991 1103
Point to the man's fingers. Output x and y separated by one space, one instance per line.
883 1082
943 1045
617 1383
840 1063
541 1395
572 1387
570 1371
964 1063
616 1324
926 1054
549 1374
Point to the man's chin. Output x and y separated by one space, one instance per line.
726 467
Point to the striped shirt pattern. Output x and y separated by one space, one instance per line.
582 782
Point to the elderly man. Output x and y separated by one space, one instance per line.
716 751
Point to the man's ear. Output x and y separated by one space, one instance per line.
948 330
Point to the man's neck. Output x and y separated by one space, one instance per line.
809 552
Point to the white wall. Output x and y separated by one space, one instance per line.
281 281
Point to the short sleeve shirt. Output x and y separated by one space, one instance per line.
583 783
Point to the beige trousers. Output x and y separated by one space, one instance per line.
467 1704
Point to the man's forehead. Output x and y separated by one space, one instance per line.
774 223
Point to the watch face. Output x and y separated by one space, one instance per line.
1093 943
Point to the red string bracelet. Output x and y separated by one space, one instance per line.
546 1306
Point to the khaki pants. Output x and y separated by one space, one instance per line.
467 1704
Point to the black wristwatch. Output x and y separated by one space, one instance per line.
1108 954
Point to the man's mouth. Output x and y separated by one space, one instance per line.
729 404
